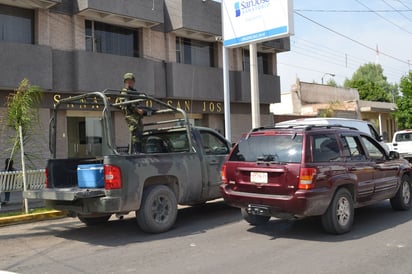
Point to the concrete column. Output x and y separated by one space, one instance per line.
254 86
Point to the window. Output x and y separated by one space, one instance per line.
352 148
403 137
375 152
263 60
373 133
285 148
105 38
194 52
212 144
165 142
16 25
325 148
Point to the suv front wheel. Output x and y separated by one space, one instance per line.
338 219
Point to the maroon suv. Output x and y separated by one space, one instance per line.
299 171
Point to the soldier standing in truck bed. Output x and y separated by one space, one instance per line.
133 114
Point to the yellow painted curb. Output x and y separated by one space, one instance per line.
32 217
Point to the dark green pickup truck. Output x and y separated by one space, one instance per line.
178 163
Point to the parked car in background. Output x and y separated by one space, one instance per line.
402 143
364 126
296 171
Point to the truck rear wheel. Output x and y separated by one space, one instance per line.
94 220
158 210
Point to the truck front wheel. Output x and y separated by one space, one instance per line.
158 210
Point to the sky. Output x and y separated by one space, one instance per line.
337 37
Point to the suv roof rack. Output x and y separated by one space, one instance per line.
302 126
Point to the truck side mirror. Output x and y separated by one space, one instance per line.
393 155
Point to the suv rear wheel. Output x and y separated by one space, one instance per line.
254 219
338 219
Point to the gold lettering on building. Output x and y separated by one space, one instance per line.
186 105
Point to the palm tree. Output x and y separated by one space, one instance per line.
22 111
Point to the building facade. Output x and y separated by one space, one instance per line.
315 100
173 47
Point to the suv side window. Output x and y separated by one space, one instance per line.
374 151
352 148
325 148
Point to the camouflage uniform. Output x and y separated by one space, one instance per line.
133 115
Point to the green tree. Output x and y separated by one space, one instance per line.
22 110
403 113
332 83
371 83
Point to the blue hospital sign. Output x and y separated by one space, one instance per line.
251 21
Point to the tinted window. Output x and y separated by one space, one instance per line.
195 52
263 60
106 38
165 142
352 148
277 148
374 134
16 24
212 144
325 148
374 150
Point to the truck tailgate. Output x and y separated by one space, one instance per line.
63 194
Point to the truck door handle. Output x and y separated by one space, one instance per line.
213 162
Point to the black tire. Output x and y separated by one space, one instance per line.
158 210
254 219
402 199
94 220
338 219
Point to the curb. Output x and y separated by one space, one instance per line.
32 217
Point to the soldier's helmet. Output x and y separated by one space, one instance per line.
128 76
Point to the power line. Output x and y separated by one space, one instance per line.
403 4
355 11
401 14
387 20
349 59
351 39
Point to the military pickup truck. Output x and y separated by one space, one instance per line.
178 163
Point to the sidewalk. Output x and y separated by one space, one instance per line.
16 205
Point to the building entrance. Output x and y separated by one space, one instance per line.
84 136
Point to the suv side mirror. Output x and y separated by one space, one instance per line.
393 155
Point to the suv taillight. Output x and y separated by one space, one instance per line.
223 174
112 177
306 178
46 173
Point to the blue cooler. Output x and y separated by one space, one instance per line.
90 176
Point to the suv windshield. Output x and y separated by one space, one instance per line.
273 148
